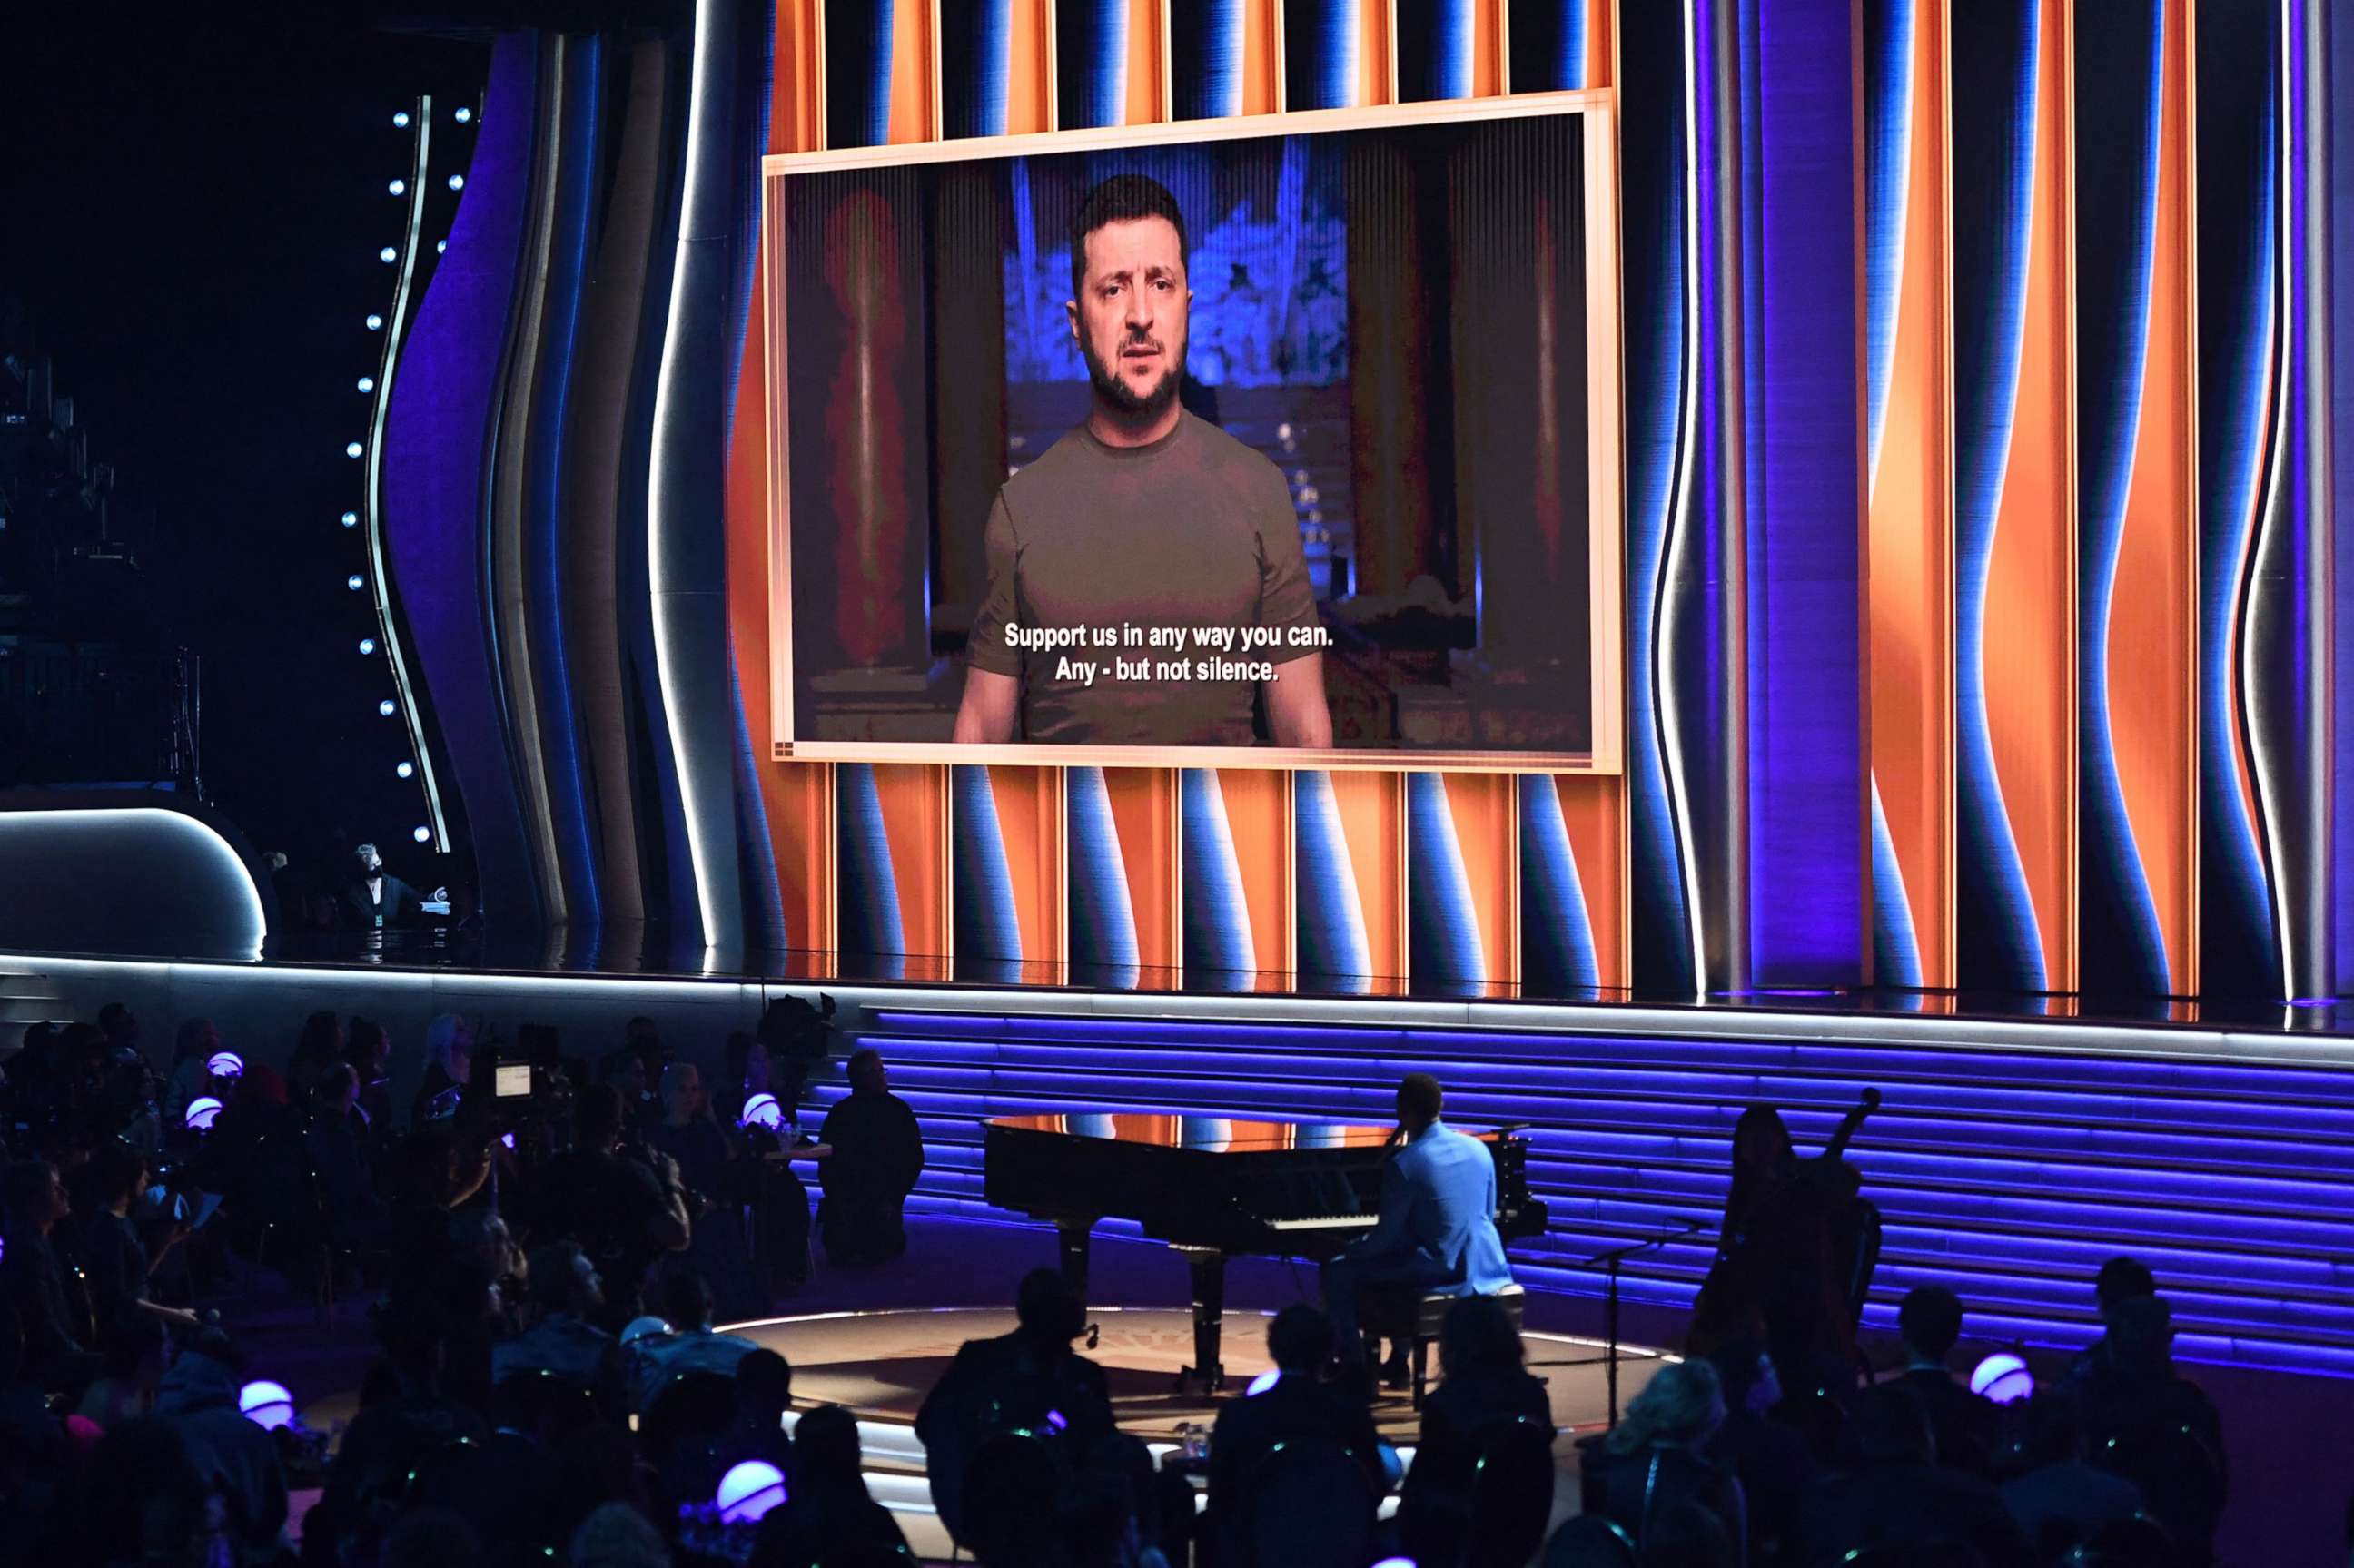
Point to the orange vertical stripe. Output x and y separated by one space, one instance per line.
913 798
1910 536
1144 808
2031 646
2153 648
1371 809
1488 833
1601 43
1029 88
1147 64
1376 83
1593 810
912 73
1258 815
1029 818
1487 47
1260 69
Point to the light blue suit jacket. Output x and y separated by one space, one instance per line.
1438 1227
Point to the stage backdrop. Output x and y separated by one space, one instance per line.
1982 608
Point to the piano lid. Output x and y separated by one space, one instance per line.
1208 1134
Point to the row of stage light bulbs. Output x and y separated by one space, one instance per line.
357 581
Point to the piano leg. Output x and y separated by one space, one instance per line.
1073 1236
1209 1270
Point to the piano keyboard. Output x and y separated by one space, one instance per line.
1326 1222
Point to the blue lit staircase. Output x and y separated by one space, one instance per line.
2008 1175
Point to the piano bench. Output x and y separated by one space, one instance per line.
1385 1313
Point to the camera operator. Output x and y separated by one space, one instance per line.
114 1253
624 1205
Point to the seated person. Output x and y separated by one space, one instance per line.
1963 1423
2135 1400
566 1340
33 1202
114 1257
1771 1460
624 1211
2058 1500
829 1515
1484 1385
1016 1381
1893 1497
877 1153
2119 1279
238 1459
1438 1227
690 1347
1297 1407
1655 1459
764 1392
356 1212
405 1422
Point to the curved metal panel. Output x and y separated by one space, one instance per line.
130 881
438 436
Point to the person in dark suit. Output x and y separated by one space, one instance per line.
1437 1225
877 1151
1021 1381
1893 1497
1963 1423
1295 1407
375 899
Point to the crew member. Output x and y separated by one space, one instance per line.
1437 1233
876 1151
1145 518
374 899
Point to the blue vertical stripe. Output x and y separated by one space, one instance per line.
986 924
1557 953
1320 41
1442 928
1090 63
868 913
1217 917
1103 917
1332 940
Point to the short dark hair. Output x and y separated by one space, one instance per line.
1123 198
114 1170
825 1442
864 1059
1476 1334
765 1374
1046 1306
1930 1319
2122 1277
1420 1091
686 1300
1300 1337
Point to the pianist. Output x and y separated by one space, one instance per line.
1437 1233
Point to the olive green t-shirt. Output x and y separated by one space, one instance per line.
1195 531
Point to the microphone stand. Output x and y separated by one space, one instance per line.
1611 1260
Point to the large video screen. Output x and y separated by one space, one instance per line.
1306 443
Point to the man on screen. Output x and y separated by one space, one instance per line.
1144 520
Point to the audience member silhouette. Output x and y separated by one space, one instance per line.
624 1211
827 1510
1893 1496
565 1341
1770 1460
1296 1407
877 1153
2154 1426
1483 1387
1656 1458
1962 1422
2059 1499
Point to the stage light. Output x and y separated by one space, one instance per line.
456 182
506 1140
404 770
368 645
464 115
266 1404
423 835
1397 1562
352 448
440 247
351 519
762 1110
398 187
225 1064
367 384
400 119
749 1490
355 582
2003 1377
201 1112
1056 1420
1265 1381
387 254
376 322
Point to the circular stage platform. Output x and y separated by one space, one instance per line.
880 1364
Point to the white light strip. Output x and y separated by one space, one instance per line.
707 44
396 332
1794 1028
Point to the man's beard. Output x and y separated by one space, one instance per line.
1114 388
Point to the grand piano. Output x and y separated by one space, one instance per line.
1214 1188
